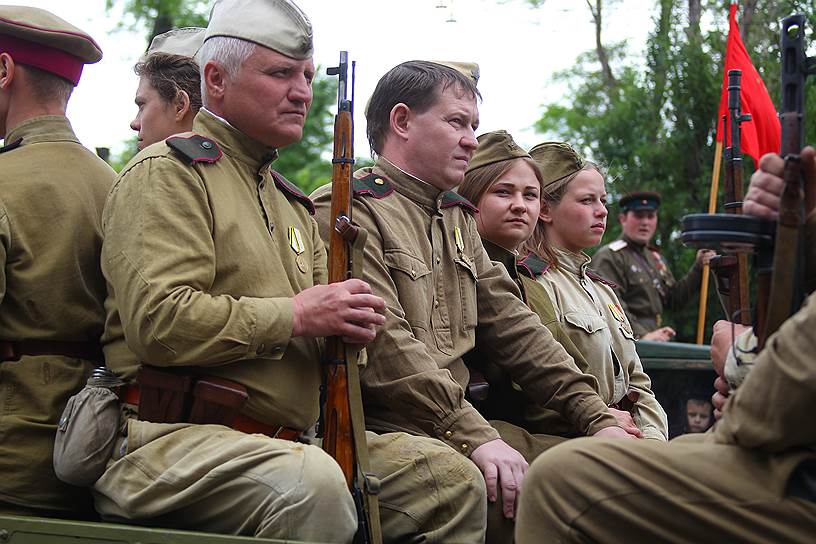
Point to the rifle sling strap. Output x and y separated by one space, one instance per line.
367 483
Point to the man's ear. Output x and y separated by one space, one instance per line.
622 217
400 120
215 79
6 70
181 105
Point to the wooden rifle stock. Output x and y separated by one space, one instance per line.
732 270
339 434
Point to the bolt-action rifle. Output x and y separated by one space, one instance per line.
343 425
731 271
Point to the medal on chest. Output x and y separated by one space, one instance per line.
297 245
458 240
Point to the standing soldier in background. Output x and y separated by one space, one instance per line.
169 92
52 191
645 283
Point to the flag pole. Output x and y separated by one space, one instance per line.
712 207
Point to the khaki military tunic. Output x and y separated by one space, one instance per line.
590 313
505 400
444 297
751 479
646 285
52 191
202 261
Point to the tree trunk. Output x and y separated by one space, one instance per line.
161 24
603 57
695 11
748 10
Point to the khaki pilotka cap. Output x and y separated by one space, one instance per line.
496 146
276 24
556 160
185 42
469 69
38 38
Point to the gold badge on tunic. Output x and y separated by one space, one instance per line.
617 312
457 238
297 245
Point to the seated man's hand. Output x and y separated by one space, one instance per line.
720 397
625 422
722 338
762 198
663 334
502 466
346 309
613 432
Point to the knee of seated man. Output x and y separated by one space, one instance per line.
456 474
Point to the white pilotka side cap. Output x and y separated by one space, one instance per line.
276 24
184 41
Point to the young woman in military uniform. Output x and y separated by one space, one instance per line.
505 184
572 219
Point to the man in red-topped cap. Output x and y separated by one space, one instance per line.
52 191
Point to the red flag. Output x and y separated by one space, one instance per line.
762 134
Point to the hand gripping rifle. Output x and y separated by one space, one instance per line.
343 424
731 271
777 245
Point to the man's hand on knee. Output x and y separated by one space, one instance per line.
502 466
625 422
346 309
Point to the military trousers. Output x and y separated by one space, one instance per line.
593 490
499 528
33 393
213 478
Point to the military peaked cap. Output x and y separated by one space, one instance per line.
38 38
640 200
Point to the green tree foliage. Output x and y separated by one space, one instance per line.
651 123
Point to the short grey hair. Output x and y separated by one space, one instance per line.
230 53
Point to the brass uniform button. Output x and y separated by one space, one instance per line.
464 448
448 434
379 181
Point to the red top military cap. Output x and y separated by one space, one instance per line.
38 38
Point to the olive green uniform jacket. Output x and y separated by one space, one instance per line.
589 311
443 297
506 401
202 264
52 191
646 286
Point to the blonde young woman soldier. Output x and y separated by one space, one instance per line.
573 218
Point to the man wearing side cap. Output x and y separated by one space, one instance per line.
444 296
214 266
645 283
169 92
52 191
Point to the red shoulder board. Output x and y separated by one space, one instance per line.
532 266
11 145
292 190
592 275
450 199
195 148
372 185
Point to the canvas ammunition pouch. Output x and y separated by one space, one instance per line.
87 430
